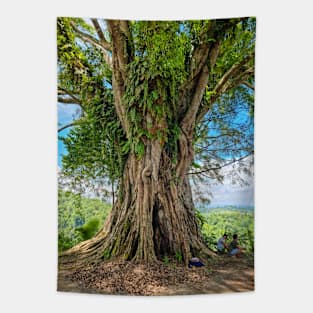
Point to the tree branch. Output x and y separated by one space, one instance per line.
72 97
68 100
63 91
248 85
201 84
237 80
199 56
120 59
93 41
66 126
235 69
224 83
190 116
99 31
119 45
204 55
219 167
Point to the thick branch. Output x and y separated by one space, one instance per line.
214 51
120 61
246 74
199 59
93 41
225 83
99 31
70 97
199 56
204 55
189 119
68 100
63 91
234 70
119 45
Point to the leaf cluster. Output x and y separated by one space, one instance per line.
161 64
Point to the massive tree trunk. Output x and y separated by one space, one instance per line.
153 217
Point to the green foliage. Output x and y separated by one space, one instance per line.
162 46
79 218
166 260
238 43
227 131
94 145
220 221
65 242
160 66
89 229
200 218
153 82
179 256
70 56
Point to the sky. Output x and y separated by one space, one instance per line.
222 194
229 193
66 114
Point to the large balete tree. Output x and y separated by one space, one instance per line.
157 101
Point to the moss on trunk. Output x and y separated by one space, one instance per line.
153 217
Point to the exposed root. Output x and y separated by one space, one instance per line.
151 219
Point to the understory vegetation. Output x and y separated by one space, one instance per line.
80 218
219 221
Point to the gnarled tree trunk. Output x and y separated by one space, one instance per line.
153 217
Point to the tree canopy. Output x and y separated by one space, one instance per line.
162 67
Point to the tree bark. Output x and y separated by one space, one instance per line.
153 217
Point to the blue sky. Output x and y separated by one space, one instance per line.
66 114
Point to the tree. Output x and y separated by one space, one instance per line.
160 102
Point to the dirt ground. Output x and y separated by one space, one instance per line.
225 274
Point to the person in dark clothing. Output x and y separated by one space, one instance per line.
195 262
234 248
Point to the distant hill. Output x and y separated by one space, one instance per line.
226 207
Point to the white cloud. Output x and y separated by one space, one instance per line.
237 188
233 195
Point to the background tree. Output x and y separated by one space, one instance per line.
161 102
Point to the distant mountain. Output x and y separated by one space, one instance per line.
226 207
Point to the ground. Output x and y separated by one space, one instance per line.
225 274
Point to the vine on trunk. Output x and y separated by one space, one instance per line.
145 90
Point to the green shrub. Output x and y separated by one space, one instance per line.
178 257
77 217
220 221
166 260
89 229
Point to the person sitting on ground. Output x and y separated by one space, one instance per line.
234 248
222 245
195 262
